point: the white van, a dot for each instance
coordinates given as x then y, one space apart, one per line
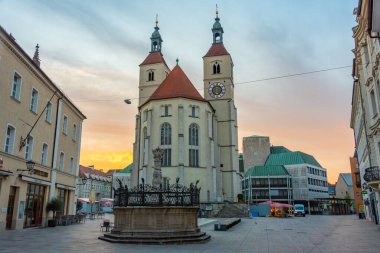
299 209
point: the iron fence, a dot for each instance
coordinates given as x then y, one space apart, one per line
147 195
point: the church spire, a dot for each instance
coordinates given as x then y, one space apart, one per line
217 29
156 39
36 57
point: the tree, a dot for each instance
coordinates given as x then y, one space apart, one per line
54 205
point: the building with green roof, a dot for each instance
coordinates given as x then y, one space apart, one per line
261 159
269 182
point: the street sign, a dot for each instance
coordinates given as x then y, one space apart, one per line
364 192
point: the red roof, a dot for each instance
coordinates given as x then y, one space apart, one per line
216 50
175 85
90 171
155 57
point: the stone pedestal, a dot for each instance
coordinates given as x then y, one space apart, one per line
156 225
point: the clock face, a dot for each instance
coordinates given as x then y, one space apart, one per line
216 90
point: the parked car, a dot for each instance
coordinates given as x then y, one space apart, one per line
299 209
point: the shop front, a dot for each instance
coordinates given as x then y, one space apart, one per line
34 205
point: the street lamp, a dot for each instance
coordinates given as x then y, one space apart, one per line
83 180
29 167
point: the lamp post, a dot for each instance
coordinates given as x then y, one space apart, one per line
29 167
128 102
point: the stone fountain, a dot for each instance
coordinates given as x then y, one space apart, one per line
149 214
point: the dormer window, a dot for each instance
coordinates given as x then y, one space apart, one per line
216 68
151 75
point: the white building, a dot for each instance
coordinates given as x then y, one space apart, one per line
365 117
198 133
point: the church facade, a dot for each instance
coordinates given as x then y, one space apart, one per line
197 133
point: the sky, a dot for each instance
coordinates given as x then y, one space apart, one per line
91 49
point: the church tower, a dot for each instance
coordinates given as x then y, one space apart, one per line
153 70
219 91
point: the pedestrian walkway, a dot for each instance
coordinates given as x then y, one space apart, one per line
311 234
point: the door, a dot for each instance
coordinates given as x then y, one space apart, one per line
11 204
34 205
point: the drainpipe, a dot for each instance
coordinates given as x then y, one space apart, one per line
77 167
55 149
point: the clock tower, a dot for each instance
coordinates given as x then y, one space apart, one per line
219 91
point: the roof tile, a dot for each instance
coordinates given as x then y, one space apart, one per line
154 57
217 50
176 85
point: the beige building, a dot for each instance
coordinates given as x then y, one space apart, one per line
343 187
365 112
198 133
38 122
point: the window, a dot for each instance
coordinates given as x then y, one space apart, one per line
29 148
61 161
194 111
145 115
64 126
373 101
16 86
166 111
74 133
34 100
71 165
48 112
145 151
193 146
216 68
44 154
166 141
151 75
165 183
10 139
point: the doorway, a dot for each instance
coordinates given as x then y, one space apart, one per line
35 196
11 205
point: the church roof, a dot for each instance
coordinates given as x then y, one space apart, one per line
154 57
175 85
217 50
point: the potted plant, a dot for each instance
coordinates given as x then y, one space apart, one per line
53 205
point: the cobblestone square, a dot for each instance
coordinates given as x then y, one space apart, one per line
310 234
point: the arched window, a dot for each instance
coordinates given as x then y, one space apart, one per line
217 37
216 68
29 148
151 75
166 144
193 145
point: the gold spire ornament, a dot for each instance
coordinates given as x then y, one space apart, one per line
156 20
217 12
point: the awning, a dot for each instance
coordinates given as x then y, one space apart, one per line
85 200
275 204
35 180
67 187
6 173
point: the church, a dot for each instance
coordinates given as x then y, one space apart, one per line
197 133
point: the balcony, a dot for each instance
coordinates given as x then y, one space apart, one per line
372 175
